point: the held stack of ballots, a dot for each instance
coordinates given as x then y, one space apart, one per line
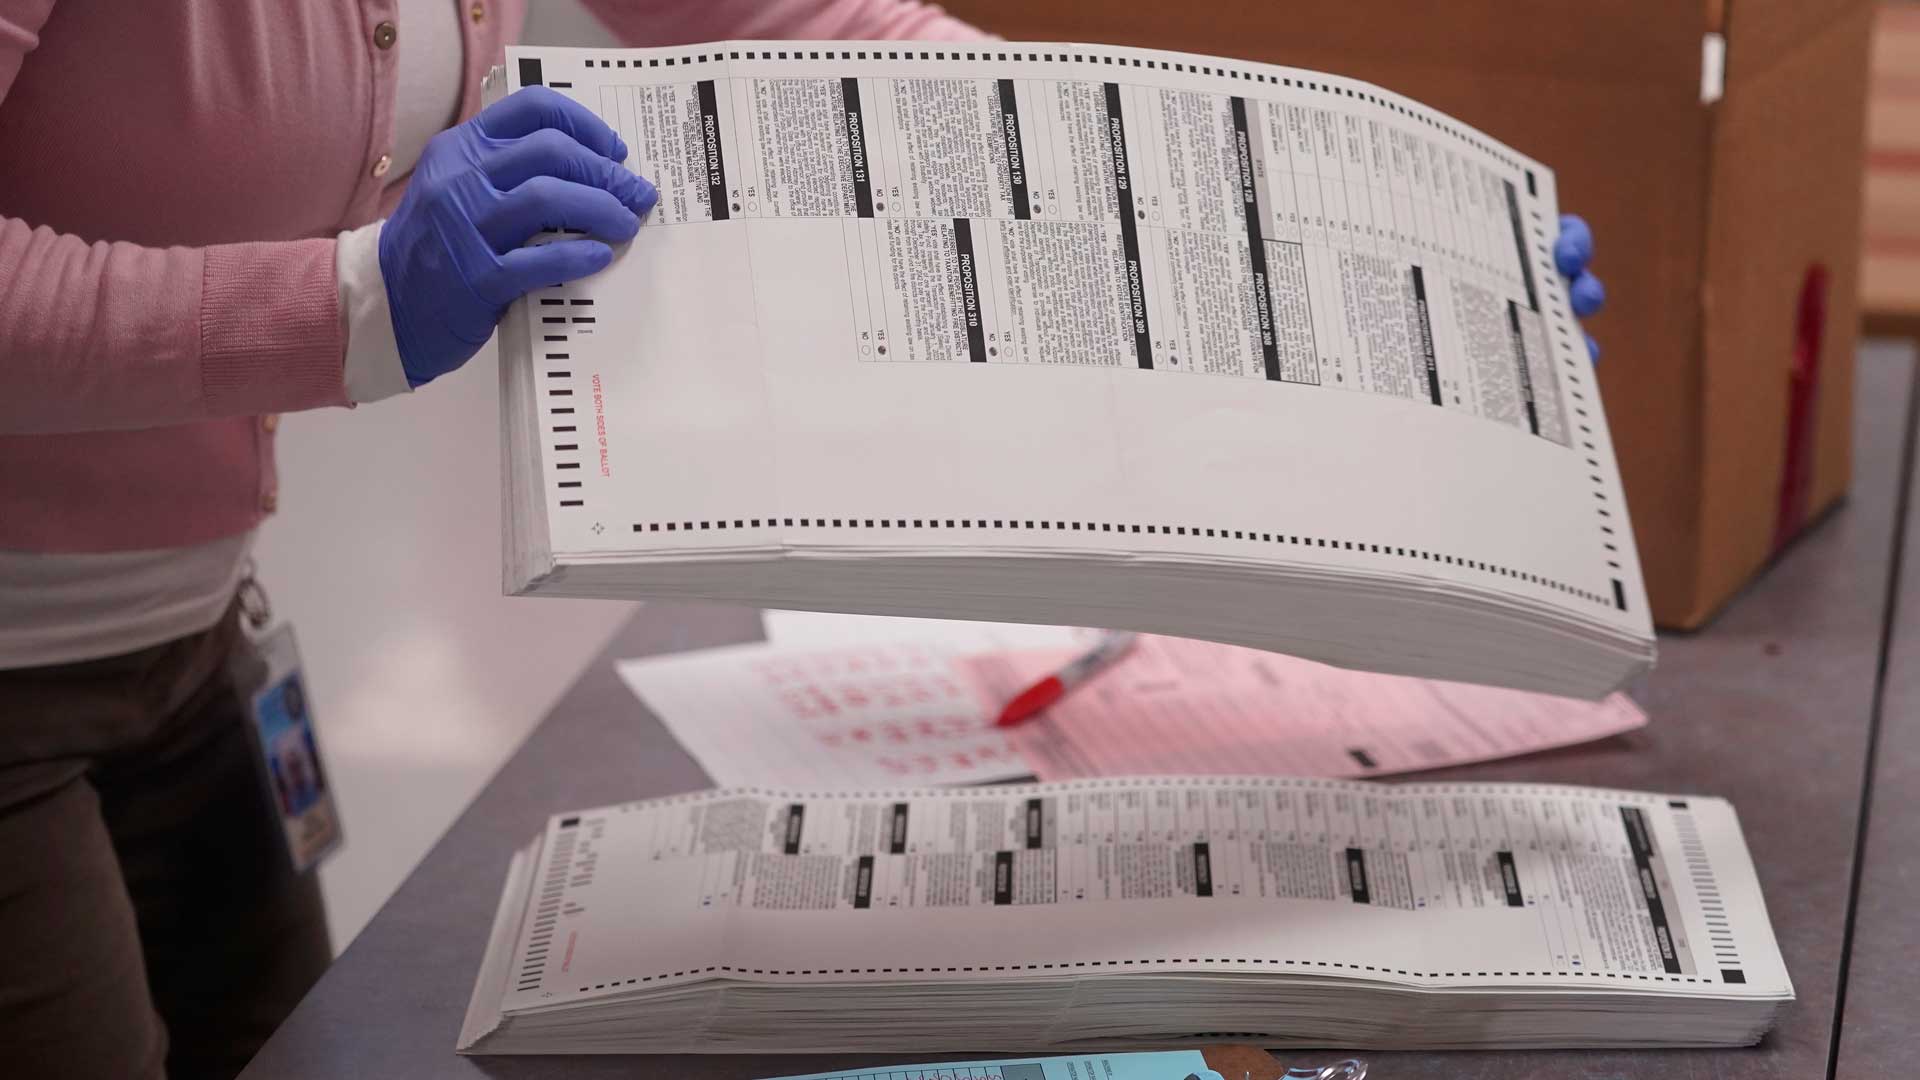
1079 335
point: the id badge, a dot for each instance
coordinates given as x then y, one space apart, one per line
287 752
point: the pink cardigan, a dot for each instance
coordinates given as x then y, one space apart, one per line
172 176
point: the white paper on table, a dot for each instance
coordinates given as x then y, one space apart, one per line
909 710
856 716
1199 708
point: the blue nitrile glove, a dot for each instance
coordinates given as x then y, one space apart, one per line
1572 251
451 253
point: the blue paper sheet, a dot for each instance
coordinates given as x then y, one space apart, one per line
1158 1065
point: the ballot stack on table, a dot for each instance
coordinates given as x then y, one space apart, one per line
1075 335
1131 912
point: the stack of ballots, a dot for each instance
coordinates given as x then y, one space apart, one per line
1079 335
1127 913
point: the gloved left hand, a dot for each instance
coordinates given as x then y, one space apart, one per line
451 253
1572 251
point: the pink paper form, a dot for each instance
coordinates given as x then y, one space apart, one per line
1175 706
919 712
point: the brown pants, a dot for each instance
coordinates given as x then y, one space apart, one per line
151 925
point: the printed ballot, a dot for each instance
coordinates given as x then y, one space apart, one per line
1074 334
918 710
1131 912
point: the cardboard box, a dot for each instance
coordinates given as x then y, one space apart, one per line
1709 219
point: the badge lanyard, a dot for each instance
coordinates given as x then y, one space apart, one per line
287 753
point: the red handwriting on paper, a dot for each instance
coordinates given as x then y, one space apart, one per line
903 708
808 702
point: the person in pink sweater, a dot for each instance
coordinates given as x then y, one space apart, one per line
213 212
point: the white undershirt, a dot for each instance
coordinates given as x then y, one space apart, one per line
63 608
426 100
426 97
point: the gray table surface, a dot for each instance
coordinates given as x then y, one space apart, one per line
1883 984
1772 707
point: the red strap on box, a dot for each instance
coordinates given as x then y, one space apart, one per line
1803 394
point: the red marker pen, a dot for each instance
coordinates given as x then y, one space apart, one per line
1040 696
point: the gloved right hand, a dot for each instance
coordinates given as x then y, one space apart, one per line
1572 251
451 254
